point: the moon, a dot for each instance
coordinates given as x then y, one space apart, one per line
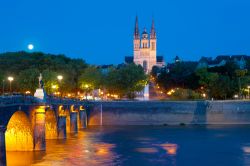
30 46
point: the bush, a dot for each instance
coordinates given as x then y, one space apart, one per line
185 94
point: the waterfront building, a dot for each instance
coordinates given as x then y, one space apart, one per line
145 49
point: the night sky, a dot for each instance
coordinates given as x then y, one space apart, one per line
101 31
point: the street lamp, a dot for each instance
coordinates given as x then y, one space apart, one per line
60 77
10 79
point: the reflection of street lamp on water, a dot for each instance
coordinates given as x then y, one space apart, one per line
10 79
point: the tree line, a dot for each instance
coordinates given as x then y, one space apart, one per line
78 76
224 82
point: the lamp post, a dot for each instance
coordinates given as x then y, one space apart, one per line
10 79
60 77
248 87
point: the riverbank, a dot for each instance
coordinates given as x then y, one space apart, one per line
169 112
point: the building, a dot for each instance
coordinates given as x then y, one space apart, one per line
145 49
221 60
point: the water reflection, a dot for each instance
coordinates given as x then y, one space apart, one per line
146 150
143 146
171 149
23 158
81 149
246 149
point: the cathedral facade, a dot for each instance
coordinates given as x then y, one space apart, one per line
145 49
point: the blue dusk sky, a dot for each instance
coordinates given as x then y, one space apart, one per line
101 31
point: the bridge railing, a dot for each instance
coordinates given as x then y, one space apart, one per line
17 99
56 100
24 99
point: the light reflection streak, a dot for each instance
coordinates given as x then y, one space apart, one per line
171 149
146 150
88 152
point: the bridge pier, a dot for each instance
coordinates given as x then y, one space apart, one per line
61 127
39 129
73 122
2 146
83 119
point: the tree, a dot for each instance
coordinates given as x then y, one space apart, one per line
181 74
184 94
51 83
21 63
240 73
155 71
90 79
207 80
126 80
28 80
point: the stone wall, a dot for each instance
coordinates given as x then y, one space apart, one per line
169 112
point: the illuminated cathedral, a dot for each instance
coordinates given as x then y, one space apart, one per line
145 49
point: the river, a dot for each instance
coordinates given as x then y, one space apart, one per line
144 145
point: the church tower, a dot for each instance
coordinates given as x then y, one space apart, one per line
153 45
136 41
145 48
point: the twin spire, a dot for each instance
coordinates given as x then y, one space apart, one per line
137 33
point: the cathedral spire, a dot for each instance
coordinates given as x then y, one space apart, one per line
136 33
153 32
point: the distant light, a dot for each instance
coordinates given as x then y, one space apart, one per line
59 77
27 92
53 86
10 79
30 46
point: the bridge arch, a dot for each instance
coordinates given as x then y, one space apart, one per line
19 133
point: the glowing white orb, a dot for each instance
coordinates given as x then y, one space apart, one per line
30 46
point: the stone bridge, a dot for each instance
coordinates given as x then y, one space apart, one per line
26 123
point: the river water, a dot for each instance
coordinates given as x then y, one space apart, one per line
145 145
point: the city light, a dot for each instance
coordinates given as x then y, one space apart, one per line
54 86
10 79
27 92
59 77
171 92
